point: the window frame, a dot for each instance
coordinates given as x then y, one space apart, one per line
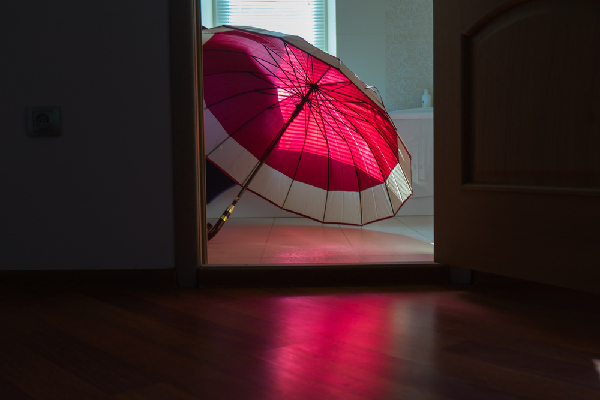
208 11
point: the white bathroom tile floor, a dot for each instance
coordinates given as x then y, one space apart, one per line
263 241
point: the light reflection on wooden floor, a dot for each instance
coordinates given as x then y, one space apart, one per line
249 241
479 342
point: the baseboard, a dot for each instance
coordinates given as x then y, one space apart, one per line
417 206
88 279
425 273
287 275
482 278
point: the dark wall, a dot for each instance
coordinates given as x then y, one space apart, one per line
100 195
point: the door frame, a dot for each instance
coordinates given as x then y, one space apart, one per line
190 194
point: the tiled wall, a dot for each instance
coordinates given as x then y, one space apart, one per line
409 52
360 39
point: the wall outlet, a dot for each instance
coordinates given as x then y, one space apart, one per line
43 121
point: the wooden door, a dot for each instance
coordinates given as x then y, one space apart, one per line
517 138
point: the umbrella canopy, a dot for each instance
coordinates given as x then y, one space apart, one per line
294 125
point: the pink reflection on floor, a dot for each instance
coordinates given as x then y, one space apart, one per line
349 345
324 348
249 241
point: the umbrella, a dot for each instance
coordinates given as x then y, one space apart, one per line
294 125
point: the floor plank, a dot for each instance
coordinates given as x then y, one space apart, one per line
280 241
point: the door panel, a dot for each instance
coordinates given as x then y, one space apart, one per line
517 138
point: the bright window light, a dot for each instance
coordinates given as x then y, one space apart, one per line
305 18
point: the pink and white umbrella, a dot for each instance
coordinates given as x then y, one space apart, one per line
294 125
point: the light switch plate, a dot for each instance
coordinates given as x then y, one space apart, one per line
43 121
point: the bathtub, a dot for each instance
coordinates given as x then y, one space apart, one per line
415 128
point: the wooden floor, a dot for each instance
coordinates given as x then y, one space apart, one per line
414 342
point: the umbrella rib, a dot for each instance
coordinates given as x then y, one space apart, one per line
360 117
215 229
310 60
261 91
230 135
306 124
351 99
355 129
294 67
264 62
349 123
320 111
293 177
372 150
298 63
355 102
298 164
277 65
350 117
353 113
298 90
263 159
262 77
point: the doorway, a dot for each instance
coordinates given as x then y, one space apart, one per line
264 234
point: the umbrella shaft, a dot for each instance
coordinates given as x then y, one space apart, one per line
212 232
292 117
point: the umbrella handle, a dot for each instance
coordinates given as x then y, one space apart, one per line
217 227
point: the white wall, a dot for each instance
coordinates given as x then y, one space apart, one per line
100 195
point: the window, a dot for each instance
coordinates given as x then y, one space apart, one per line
305 18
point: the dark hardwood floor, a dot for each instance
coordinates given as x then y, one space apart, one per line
509 341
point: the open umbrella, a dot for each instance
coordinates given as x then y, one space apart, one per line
294 125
